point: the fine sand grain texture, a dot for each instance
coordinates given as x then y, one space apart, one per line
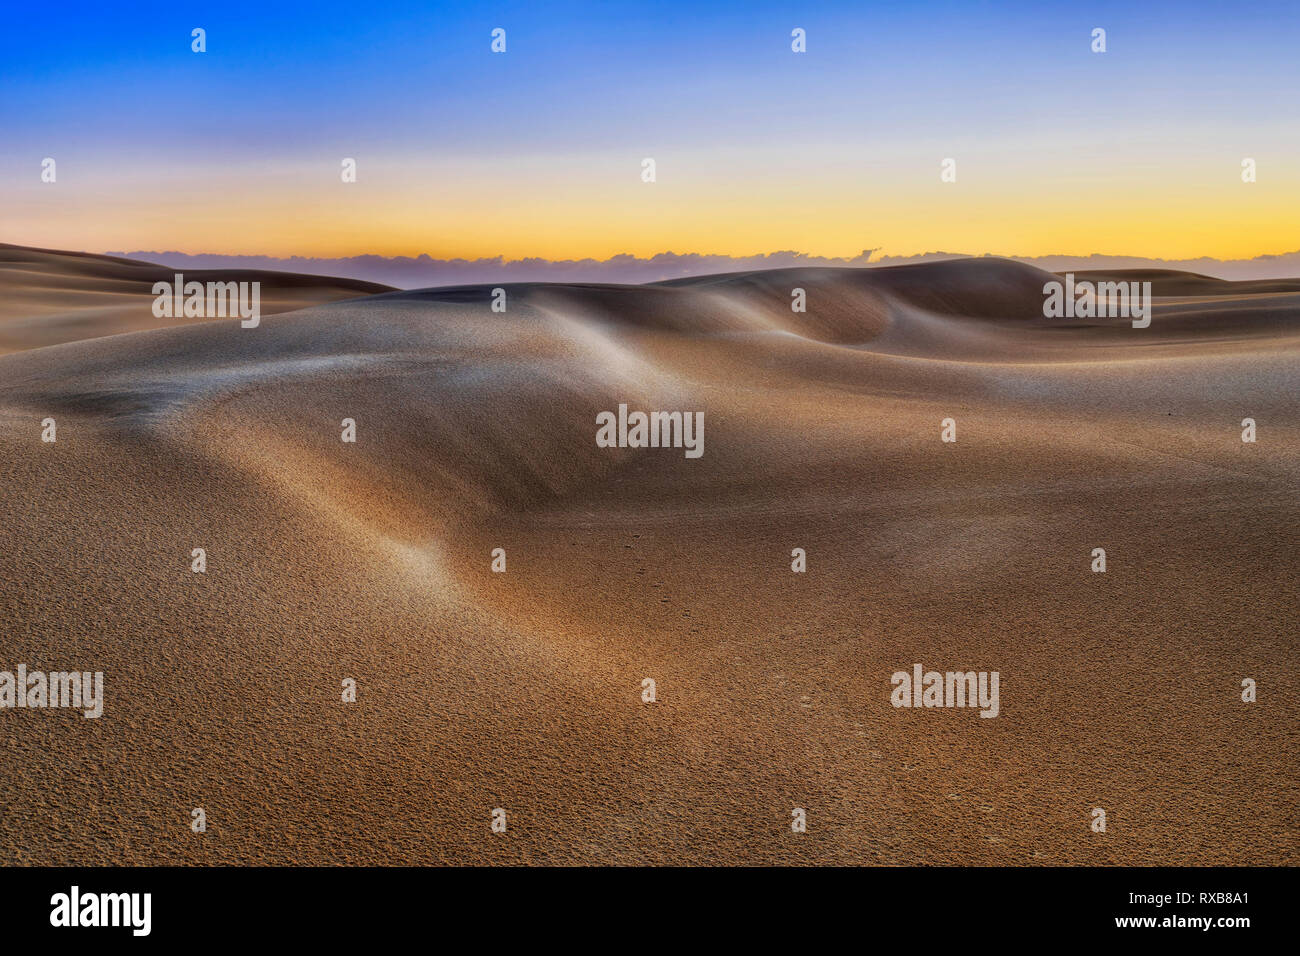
476 430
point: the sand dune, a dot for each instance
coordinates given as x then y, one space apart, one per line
48 297
1170 282
475 430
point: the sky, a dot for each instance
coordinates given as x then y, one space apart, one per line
537 151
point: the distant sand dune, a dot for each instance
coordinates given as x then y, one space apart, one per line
478 690
48 297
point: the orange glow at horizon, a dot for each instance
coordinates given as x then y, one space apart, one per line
598 207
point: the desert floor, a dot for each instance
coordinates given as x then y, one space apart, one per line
522 690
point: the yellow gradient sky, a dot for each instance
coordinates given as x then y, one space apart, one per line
537 152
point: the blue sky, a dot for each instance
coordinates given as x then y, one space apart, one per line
136 118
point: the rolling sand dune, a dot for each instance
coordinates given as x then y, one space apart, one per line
48 297
522 690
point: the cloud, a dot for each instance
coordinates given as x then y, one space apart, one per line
407 272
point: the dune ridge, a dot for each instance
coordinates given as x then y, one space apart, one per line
48 296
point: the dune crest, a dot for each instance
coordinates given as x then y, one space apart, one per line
49 297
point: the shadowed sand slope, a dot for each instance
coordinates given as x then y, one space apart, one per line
48 297
1170 282
476 430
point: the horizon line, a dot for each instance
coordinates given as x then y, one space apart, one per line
424 270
